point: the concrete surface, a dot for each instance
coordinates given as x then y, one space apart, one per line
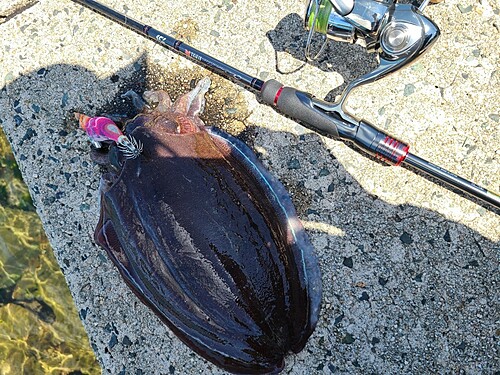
410 269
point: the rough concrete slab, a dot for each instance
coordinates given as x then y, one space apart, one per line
410 269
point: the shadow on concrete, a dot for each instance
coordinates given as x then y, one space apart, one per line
351 61
405 289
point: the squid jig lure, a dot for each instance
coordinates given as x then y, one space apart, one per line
103 129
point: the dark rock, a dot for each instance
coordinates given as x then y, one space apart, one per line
324 172
64 100
406 238
126 341
472 263
338 319
364 297
18 120
348 339
55 160
42 72
311 211
30 133
113 341
83 313
447 236
332 368
294 164
348 262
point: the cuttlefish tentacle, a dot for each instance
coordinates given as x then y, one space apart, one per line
186 108
137 101
193 103
161 98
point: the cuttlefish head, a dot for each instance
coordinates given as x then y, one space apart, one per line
182 116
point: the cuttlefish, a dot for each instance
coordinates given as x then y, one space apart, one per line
207 237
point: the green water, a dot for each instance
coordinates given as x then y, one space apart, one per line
40 332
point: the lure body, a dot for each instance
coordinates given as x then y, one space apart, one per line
102 129
209 240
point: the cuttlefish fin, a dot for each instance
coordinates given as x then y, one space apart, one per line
107 237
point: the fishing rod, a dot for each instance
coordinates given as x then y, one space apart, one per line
398 33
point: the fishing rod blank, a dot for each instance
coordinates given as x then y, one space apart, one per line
177 45
330 119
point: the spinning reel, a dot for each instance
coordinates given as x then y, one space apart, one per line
397 33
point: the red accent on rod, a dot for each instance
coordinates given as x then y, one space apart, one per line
402 157
278 95
393 151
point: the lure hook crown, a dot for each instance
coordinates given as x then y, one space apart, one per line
130 147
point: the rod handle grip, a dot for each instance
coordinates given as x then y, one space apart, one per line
298 105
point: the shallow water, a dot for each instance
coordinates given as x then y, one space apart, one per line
40 331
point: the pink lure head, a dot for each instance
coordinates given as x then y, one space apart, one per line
103 129
99 129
